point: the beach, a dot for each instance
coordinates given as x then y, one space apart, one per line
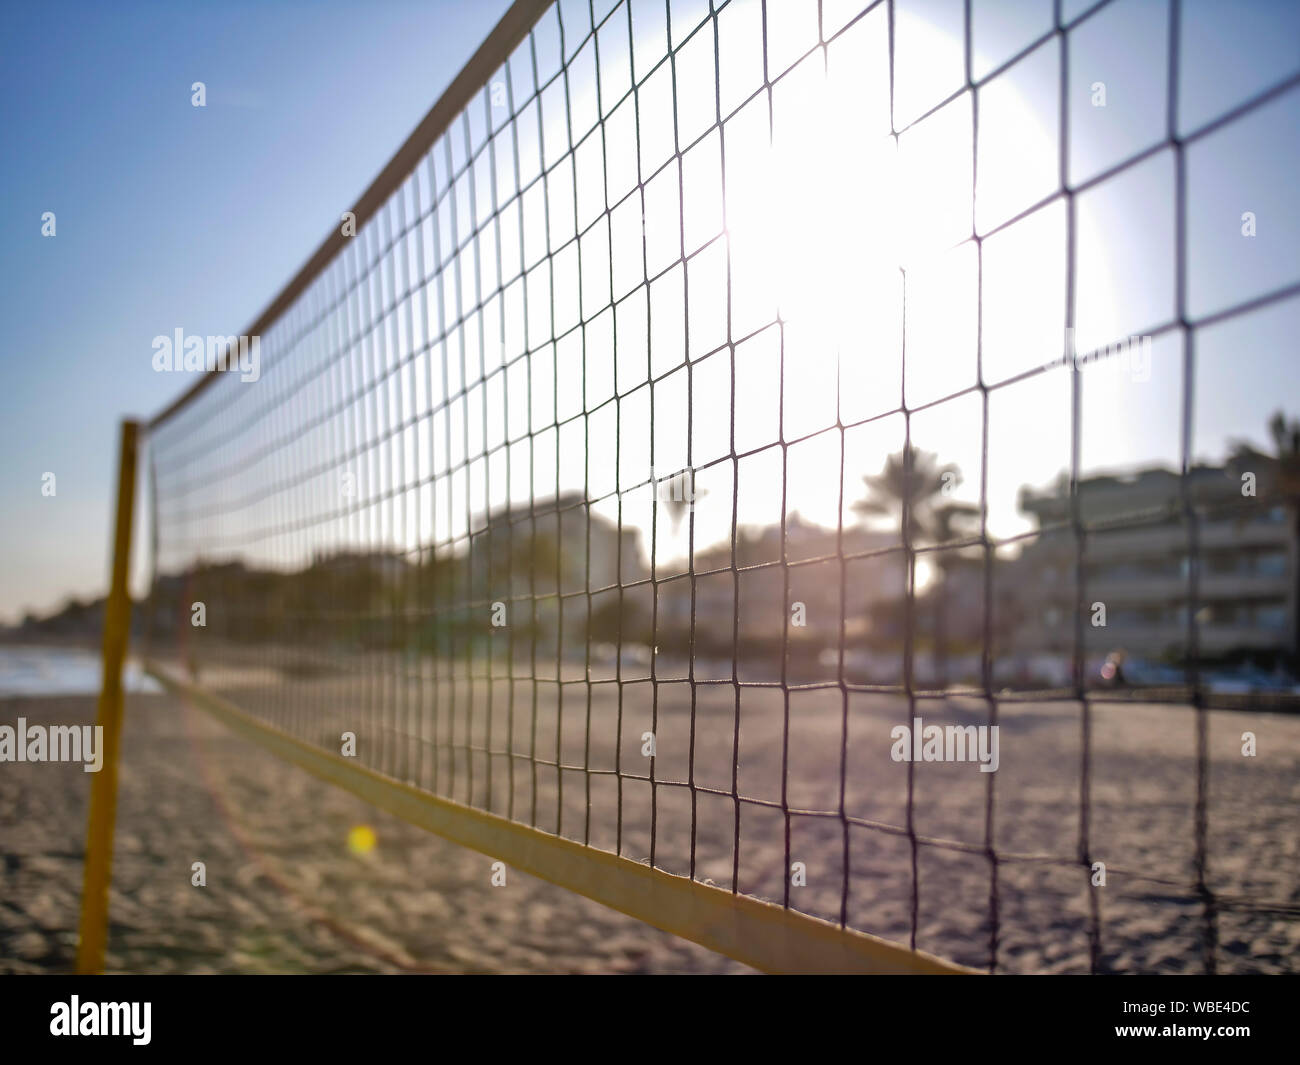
285 894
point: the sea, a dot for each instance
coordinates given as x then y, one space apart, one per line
35 670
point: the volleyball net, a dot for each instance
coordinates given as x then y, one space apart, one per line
717 467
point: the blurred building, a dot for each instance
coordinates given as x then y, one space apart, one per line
753 593
553 544
560 565
1136 555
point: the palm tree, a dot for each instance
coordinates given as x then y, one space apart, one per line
915 486
678 494
1283 468
953 521
912 482
950 521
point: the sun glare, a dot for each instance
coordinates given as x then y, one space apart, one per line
856 239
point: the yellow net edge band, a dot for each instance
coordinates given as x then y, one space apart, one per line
760 934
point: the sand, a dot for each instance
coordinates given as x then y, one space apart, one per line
284 893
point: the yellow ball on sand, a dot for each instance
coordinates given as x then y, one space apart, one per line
361 839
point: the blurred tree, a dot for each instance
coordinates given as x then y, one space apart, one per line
950 521
911 483
914 486
678 494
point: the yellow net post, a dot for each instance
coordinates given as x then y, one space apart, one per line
103 787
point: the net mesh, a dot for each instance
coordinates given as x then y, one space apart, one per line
696 415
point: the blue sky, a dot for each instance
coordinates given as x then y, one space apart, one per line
170 215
